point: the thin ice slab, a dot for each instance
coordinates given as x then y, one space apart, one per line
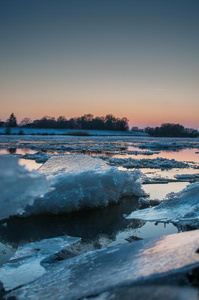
30 260
101 270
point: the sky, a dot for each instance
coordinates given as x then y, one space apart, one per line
131 58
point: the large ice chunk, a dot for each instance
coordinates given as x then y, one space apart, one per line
27 263
18 186
81 181
182 208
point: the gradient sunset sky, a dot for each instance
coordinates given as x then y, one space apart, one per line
132 58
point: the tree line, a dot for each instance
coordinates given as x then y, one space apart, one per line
87 121
172 130
108 122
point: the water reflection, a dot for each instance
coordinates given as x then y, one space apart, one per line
159 191
148 230
12 150
29 164
89 225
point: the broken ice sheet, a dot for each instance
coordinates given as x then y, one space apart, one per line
181 208
101 270
30 260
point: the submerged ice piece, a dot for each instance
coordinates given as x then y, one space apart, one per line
181 208
18 186
28 262
102 270
80 182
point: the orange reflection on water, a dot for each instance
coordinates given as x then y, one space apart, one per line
29 164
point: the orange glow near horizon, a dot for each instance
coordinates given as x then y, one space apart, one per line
140 116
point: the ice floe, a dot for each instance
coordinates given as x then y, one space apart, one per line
39 157
187 177
162 145
181 208
156 163
81 182
145 261
18 187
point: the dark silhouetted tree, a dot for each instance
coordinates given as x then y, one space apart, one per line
12 121
172 130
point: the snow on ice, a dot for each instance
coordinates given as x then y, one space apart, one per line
181 208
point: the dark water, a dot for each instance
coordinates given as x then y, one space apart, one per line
92 226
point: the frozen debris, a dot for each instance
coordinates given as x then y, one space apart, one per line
155 202
97 144
98 271
162 145
181 208
156 163
82 182
39 157
138 152
145 202
18 187
30 260
133 238
187 177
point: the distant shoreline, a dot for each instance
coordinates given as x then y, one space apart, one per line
68 132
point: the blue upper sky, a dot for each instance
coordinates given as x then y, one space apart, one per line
133 58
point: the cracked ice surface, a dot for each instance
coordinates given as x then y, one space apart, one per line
18 187
28 262
81 182
181 208
97 271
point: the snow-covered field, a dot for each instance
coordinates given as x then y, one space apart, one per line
63 198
